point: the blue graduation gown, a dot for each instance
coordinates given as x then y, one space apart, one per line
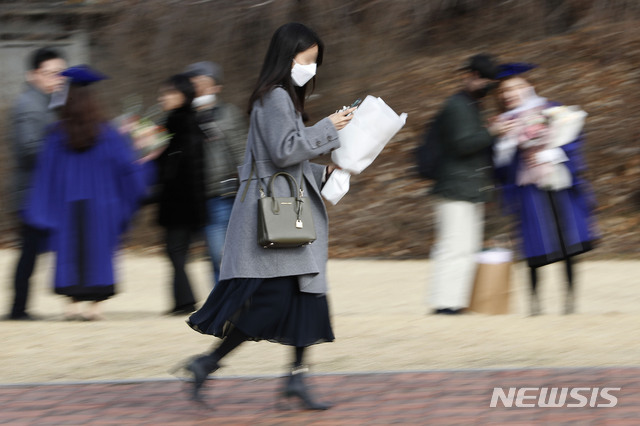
85 199
553 224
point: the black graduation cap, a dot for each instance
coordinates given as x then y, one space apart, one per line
83 75
513 68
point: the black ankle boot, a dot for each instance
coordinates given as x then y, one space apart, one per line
295 387
201 367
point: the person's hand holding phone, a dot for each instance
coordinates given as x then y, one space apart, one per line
355 105
342 117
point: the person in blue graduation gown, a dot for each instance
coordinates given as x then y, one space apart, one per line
86 187
555 219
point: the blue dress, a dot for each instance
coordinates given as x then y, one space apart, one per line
553 225
85 199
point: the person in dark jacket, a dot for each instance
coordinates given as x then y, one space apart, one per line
463 184
181 202
30 117
226 130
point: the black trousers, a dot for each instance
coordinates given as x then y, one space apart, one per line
32 239
178 241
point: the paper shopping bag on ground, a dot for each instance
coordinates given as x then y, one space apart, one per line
373 125
492 281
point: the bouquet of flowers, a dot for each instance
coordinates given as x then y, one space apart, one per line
534 130
149 138
361 141
539 136
565 124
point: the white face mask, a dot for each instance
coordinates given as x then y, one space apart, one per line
301 74
204 100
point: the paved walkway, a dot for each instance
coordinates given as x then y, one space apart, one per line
413 398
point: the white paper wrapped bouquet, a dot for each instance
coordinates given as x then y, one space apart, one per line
565 124
545 132
373 125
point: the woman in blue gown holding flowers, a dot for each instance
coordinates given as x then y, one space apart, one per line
542 171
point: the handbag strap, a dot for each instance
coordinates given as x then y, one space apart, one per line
246 187
260 188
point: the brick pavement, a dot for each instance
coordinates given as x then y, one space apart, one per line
423 397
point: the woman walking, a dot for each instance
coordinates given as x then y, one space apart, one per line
265 293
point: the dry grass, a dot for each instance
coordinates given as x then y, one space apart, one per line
405 52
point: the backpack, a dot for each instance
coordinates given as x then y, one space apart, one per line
429 152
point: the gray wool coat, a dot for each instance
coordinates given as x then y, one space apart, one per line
280 141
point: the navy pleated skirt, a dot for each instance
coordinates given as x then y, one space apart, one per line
271 309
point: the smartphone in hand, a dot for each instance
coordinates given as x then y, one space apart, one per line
355 104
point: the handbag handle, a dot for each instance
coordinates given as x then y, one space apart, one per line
293 185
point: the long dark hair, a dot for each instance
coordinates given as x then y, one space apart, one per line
288 40
81 118
182 83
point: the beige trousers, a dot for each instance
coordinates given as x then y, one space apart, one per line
459 236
